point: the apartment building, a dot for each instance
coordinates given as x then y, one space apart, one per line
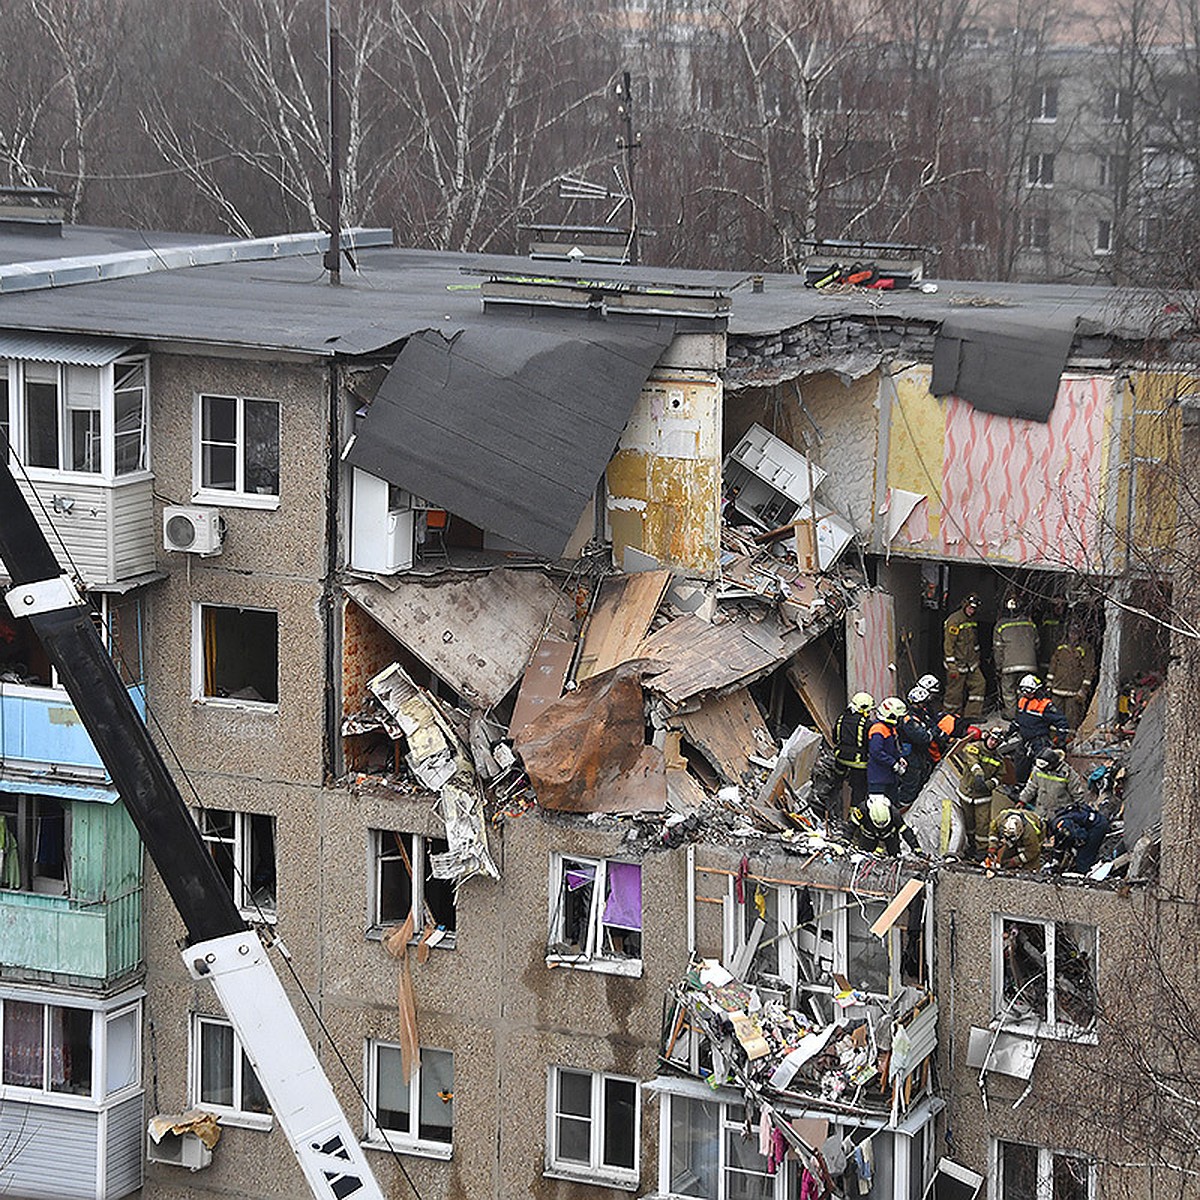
351 545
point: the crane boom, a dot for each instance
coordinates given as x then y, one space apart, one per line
221 947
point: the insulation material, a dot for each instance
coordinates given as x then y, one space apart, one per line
620 619
664 482
794 766
1007 1053
936 817
727 730
1000 488
587 752
871 645
900 507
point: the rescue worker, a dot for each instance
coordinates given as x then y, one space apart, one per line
983 772
1015 648
885 761
850 747
1051 785
1016 840
916 740
1072 672
878 827
960 649
1076 835
1038 722
1050 630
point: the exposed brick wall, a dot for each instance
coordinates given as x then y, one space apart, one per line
366 650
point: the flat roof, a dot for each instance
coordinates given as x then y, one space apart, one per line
287 304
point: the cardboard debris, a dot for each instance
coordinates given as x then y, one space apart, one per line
587 751
195 1121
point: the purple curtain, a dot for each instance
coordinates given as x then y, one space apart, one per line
624 907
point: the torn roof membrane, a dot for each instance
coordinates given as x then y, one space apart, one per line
510 423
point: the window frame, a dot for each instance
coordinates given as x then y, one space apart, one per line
102 390
1045 1168
419 860
1037 239
1117 105
591 957
237 496
27 806
102 1014
375 1136
235 1114
1040 111
199 696
1050 1028
1039 170
1104 235
242 852
596 1170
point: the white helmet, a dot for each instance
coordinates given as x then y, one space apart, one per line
930 683
1029 683
892 709
1014 826
879 809
862 702
917 695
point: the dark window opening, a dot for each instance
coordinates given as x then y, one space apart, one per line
241 654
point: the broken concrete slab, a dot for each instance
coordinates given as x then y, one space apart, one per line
476 632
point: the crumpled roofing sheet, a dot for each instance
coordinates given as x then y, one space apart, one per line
510 423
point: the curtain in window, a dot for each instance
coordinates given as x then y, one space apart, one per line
10 854
208 630
216 1064
23 1043
624 907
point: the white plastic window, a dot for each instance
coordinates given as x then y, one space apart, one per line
593 1126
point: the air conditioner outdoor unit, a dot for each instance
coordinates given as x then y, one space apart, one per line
193 530
179 1150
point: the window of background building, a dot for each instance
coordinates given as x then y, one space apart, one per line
1040 170
1104 231
237 655
221 1075
403 882
418 1114
1043 103
238 447
1037 233
592 1126
243 847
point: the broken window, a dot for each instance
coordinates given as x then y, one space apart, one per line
35 844
238 655
593 1126
596 913
404 882
243 847
221 1076
1046 975
712 1154
417 1113
811 936
1035 1173
238 446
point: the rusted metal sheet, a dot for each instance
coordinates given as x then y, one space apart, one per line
476 633
543 682
587 751
716 658
727 730
624 608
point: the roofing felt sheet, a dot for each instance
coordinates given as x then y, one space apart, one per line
1008 365
510 422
